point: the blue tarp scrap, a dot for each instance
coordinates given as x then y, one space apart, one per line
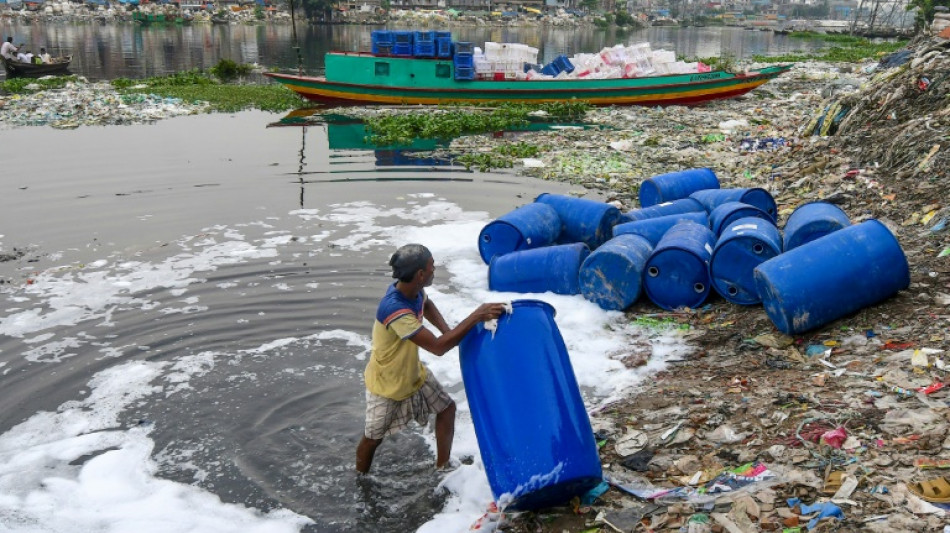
896 59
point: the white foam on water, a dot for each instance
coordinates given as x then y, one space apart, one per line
77 470
114 486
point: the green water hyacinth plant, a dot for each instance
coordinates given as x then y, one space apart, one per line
29 85
200 86
397 128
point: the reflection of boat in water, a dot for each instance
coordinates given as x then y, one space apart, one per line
353 78
350 133
346 134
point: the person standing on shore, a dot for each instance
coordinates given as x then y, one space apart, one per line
7 50
399 388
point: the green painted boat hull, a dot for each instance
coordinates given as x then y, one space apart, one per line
367 79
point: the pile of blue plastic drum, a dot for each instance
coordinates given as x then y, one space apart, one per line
689 238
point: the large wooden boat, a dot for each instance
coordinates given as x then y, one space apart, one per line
360 78
59 65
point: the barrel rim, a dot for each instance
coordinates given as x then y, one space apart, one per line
533 302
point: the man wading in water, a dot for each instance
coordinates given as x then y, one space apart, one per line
399 388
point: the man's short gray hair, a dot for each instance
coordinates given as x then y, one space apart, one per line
408 260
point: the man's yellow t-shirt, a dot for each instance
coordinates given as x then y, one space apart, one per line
394 370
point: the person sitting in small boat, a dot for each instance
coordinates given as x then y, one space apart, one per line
8 50
25 57
44 56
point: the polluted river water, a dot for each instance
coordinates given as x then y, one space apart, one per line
186 317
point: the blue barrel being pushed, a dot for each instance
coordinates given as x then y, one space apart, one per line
684 205
744 245
549 269
761 198
532 427
812 221
676 185
653 229
677 274
831 277
529 226
724 215
612 275
582 220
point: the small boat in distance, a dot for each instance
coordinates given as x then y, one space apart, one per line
59 65
361 78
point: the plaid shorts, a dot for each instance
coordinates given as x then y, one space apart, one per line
385 416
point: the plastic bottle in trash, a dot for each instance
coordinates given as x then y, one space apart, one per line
902 391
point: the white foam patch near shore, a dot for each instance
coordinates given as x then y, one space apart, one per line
75 470
116 489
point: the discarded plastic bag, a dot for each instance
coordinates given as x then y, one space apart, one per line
724 434
631 443
824 510
834 438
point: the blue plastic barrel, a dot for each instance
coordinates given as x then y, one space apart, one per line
583 220
832 276
612 275
529 226
811 221
653 229
549 269
683 205
743 245
677 274
727 213
532 427
676 185
761 198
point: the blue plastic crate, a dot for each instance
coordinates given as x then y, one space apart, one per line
443 47
464 60
424 50
563 64
443 35
382 37
424 37
402 37
402 50
384 49
464 48
464 73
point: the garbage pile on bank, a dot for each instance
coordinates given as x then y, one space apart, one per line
441 18
63 11
82 103
850 420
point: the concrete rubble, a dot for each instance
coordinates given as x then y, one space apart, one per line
751 430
